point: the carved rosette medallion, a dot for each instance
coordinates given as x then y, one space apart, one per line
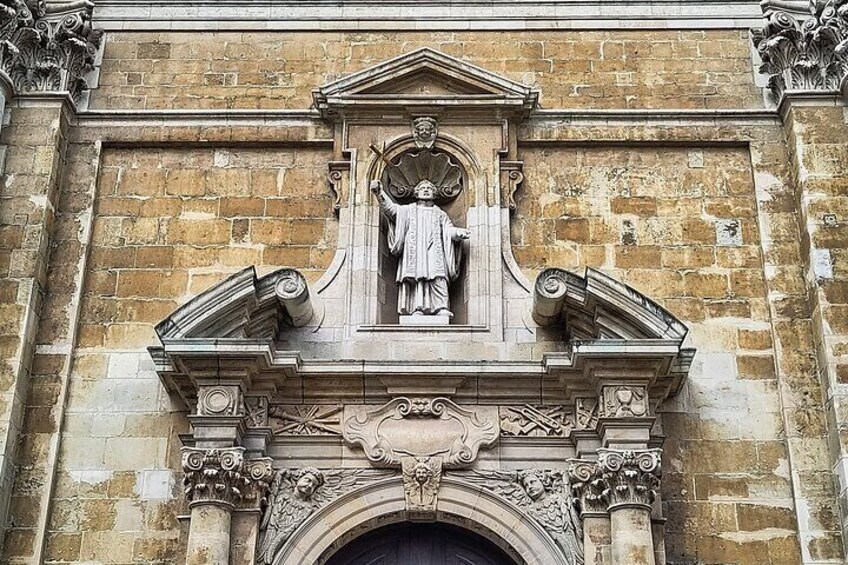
420 428
214 476
220 400
630 478
587 486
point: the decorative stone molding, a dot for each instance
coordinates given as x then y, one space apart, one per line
48 47
630 478
803 45
259 473
541 494
420 428
306 420
463 87
242 306
625 401
296 493
214 476
421 479
512 178
336 171
535 421
587 487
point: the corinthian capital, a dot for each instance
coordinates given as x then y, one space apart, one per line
587 486
214 476
802 44
259 474
630 478
48 47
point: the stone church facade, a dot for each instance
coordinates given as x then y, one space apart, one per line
462 282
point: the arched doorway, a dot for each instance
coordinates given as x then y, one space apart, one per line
421 544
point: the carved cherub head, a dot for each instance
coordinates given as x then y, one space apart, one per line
425 190
422 473
309 480
424 131
532 483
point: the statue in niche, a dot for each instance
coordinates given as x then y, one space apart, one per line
428 247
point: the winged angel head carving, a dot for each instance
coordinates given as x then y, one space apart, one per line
544 495
296 493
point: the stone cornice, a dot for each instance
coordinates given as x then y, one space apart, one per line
48 47
368 15
803 45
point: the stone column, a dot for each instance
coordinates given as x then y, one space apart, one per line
246 520
630 480
587 488
214 483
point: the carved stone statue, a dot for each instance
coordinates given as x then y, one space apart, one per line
429 248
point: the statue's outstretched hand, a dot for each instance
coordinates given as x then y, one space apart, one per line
376 186
463 234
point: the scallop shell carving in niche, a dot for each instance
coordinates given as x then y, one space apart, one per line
412 168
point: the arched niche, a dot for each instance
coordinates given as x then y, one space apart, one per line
473 194
382 503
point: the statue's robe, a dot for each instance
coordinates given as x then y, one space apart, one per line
429 252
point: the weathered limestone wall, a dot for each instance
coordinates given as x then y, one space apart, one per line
709 229
817 140
36 138
633 69
683 225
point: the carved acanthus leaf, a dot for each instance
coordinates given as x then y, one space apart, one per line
804 51
48 47
587 486
296 494
214 476
630 477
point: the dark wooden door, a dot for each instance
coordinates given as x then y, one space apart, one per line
420 544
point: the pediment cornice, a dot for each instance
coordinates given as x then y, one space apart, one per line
442 81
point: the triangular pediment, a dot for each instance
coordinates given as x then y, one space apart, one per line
424 78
